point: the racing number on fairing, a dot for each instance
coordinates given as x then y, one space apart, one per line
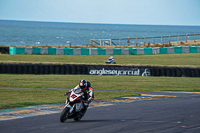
73 96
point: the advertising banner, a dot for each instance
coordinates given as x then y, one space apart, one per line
119 71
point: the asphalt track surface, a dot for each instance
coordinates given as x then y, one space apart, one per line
168 115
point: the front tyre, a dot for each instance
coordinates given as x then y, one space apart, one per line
63 116
78 118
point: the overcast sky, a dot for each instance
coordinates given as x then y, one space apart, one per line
153 12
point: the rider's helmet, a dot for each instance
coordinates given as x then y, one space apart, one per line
83 84
111 58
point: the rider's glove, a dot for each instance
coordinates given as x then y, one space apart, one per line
86 103
67 93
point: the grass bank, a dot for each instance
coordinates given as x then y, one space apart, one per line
24 97
189 59
12 98
131 83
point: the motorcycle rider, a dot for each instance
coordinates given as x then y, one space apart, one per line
85 87
110 60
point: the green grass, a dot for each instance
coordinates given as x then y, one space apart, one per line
131 83
12 98
190 59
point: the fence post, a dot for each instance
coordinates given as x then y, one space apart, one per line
110 42
161 39
153 40
128 42
178 39
100 42
194 37
136 41
186 38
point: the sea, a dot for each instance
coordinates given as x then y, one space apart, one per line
25 33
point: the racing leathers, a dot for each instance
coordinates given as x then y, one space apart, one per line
88 96
88 92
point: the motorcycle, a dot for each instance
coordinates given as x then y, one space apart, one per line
74 107
110 62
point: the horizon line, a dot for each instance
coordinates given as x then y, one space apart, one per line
95 23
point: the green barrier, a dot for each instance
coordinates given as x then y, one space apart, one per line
178 49
68 51
117 51
163 50
12 50
85 51
147 50
193 49
132 51
52 51
36 50
101 51
20 50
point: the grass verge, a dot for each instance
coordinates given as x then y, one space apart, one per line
131 83
13 98
189 59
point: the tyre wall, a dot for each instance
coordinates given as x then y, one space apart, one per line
98 70
4 50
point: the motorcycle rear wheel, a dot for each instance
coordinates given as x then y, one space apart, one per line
63 116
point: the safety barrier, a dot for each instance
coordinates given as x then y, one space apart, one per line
98 70
104 51
4 50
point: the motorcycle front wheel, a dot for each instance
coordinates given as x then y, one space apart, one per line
63 116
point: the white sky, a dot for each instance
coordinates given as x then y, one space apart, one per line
154 12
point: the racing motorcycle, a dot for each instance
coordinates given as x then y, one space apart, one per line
73 107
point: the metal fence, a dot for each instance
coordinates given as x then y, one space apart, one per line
144 40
